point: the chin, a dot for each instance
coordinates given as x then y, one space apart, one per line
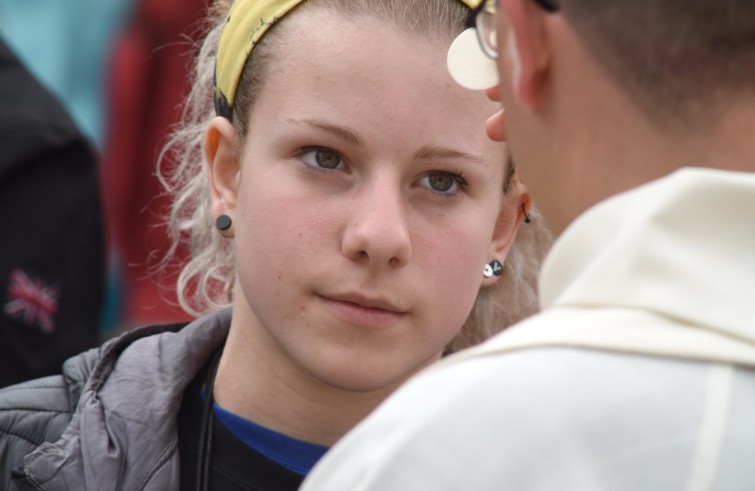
363 376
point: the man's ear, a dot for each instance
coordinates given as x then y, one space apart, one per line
222 150
526 47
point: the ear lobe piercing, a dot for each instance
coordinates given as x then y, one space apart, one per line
223 222
493 268
527 218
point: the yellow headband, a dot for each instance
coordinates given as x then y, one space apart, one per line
247 22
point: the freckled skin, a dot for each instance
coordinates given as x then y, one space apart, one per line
373 227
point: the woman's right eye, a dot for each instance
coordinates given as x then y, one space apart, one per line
322 158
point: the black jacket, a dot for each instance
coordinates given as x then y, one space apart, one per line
52 256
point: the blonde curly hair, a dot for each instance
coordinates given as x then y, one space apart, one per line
206 280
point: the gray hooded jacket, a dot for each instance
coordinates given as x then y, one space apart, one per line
109 421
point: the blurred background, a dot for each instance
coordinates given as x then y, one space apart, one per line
118 68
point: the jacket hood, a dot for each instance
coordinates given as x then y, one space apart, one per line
682 247
666 269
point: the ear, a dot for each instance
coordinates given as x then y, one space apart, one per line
510 218
526 47
222 150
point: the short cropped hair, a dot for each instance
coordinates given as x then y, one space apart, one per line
676 59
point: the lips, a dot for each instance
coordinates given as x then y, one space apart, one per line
368 303
361 310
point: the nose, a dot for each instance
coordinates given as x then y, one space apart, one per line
378 233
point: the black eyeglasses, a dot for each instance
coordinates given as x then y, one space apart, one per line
482 19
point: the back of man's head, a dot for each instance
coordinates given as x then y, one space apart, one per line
677 59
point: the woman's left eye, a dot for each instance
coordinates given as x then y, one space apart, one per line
322 158
444 182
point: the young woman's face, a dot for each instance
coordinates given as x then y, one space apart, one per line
366 205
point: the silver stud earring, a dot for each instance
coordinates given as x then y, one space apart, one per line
493 268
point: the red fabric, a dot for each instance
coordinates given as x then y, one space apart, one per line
148 82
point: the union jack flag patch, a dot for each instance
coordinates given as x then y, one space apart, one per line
32 302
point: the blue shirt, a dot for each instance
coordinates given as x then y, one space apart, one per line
296 455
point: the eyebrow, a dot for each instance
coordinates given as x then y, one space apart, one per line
434 153
339 131
428 152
